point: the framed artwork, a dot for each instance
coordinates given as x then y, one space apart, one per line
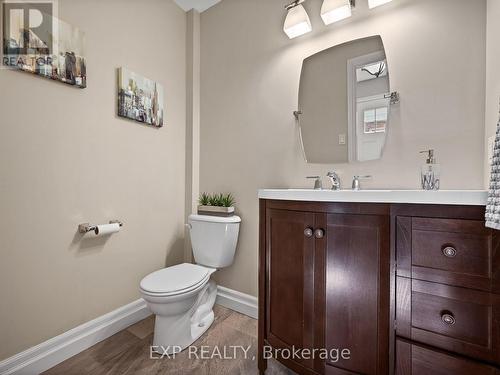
140 98
37 42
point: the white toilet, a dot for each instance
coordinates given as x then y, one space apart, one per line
182 296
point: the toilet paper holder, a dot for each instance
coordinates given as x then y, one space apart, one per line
86 227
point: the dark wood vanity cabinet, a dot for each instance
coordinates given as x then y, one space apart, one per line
408 289
325 285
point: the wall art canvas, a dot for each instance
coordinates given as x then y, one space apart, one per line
140 98
37 42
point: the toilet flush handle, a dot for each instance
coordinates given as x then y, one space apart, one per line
188 226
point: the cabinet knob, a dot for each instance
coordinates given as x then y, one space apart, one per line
308 232
319 233
450 252
448 318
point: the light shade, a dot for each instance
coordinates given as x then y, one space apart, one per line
297 22
335 10
376 3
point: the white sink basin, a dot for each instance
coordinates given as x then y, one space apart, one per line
452 197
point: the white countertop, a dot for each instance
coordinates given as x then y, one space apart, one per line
451 197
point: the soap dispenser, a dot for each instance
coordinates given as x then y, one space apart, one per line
430 174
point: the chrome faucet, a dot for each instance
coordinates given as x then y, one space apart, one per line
318 185
356 186
335 180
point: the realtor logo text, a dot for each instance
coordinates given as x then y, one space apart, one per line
202 352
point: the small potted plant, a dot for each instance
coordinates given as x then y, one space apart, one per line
216 204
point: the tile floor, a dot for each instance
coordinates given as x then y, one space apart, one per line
128 352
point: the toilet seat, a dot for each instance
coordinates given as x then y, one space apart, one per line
175 280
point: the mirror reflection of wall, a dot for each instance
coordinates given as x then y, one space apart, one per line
344 103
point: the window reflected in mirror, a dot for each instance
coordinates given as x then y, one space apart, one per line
375 120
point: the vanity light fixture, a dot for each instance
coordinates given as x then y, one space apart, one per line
297 21
376 3
336 10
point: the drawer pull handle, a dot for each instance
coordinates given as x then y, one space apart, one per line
448 318
308 232
319 233
450 252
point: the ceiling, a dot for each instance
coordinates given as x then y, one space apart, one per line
199 5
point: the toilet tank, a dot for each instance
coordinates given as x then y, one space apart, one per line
214 239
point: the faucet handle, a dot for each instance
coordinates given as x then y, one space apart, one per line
318 185
362 177
355 181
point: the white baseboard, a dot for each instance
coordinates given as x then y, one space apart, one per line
51 352
48 354
237 301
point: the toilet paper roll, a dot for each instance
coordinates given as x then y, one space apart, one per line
102 230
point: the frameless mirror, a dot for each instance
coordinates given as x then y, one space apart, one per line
344 103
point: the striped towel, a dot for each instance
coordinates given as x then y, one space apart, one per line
493 206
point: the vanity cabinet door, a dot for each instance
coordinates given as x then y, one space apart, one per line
357 293
290 244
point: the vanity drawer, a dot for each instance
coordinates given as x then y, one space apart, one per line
460 320
412 359
448 251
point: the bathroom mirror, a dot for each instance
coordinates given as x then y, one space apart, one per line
344 103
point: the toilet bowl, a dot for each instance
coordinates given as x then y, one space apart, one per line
182 296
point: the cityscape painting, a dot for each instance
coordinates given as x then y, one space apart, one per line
53 50
139 98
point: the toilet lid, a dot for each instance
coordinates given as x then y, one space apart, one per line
174 279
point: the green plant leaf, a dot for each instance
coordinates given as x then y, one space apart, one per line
227 200
204 199
218 200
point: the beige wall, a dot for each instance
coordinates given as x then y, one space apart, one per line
249 87
492 76
65 158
